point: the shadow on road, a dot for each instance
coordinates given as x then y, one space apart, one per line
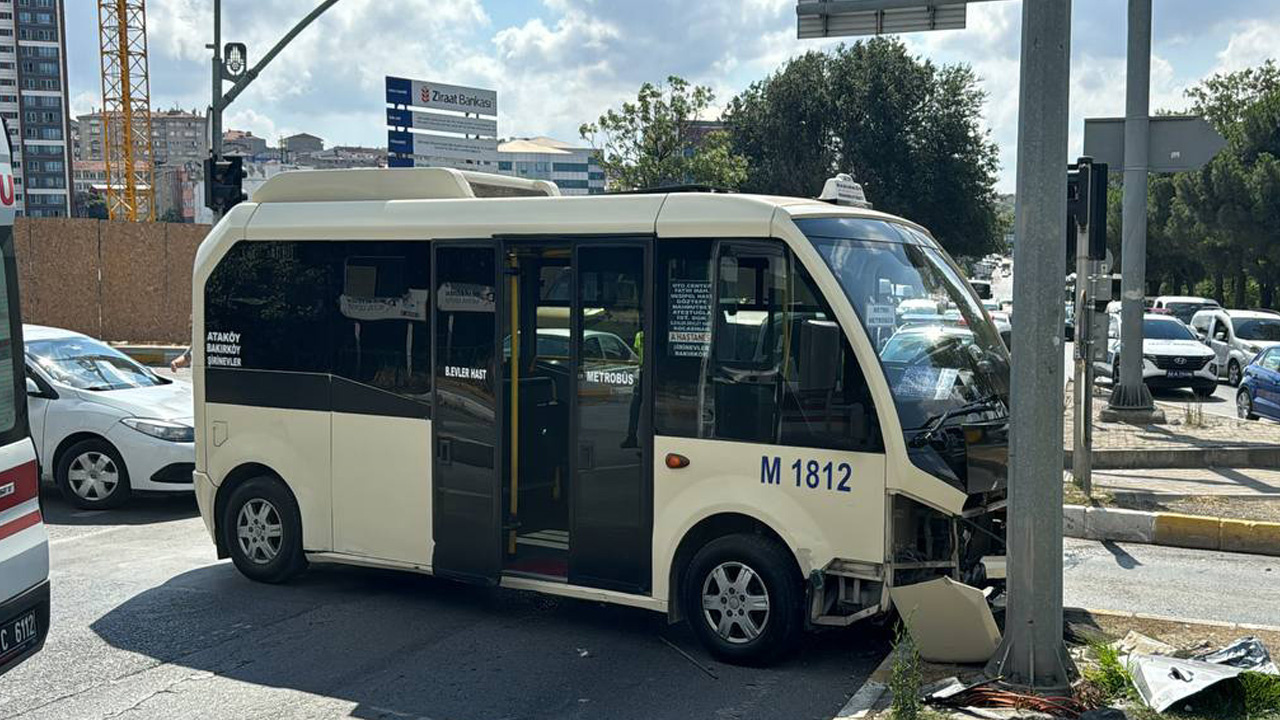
1122 556
398 644
140 510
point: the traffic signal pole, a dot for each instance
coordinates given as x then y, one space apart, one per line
1131 400
219 100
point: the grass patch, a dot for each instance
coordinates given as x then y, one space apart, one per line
1109 677
906 677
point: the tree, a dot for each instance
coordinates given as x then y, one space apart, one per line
784 125
656 140
908 130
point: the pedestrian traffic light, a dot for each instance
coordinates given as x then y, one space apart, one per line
223 181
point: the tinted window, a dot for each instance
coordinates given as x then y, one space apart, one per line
1165 330
1267 329
382 333
358 310
761 359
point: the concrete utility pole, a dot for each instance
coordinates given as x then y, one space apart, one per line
1032 652
1131 400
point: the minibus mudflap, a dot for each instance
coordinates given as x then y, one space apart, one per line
949 621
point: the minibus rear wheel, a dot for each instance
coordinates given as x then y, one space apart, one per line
744 599
262 529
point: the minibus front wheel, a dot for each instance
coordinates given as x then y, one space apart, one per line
262 529
744 600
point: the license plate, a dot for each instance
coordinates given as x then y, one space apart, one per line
18 634
1180 373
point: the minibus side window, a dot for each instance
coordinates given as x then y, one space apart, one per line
826 400
760 359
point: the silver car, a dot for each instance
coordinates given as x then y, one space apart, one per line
1236 337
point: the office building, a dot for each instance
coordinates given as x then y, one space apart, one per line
576 170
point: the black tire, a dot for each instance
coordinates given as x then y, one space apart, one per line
774 575
1233 374
1244 405
99 460
267 558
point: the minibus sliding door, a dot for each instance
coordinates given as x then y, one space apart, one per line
611 516
466 477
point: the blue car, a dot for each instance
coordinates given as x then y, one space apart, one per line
1259 394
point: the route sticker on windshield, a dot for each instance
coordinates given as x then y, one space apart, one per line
222 349
881 316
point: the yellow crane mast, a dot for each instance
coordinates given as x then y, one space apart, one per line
126 110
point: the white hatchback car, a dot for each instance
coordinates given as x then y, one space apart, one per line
104 425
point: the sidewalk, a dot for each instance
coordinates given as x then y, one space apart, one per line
1190 439
1218 482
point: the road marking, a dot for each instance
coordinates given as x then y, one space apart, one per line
95 533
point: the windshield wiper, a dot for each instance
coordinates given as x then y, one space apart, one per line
931 426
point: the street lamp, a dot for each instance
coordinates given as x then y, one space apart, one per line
1032 652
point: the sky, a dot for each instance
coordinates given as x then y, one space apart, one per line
556 64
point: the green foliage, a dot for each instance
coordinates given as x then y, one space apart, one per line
654 141
1216 231
1110 676
905 677
1261 694
908 130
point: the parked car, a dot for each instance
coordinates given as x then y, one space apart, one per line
1172 356
1259 394
105 426
1236 337
1183 307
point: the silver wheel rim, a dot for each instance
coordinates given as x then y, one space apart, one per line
1233 374
735 602
93 475
259 531
1242 405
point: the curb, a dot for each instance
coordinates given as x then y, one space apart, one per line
1171 619
1171 529
1183 458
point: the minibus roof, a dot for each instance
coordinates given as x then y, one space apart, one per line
520 205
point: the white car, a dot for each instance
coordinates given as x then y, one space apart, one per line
1236 337
1172 356
1182 307
104 425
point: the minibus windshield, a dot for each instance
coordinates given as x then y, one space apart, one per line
943 357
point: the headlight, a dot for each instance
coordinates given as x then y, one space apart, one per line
163 429
1150 358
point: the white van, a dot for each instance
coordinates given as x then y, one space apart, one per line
1236 337
379 381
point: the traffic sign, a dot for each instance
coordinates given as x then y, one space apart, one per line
439 146
439 96
439 122
1177 142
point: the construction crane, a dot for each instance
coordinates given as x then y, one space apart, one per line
126 110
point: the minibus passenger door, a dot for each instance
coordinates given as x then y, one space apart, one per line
467 497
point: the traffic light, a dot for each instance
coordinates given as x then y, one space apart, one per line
223 180
1087 206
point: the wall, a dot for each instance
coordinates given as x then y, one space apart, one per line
118 281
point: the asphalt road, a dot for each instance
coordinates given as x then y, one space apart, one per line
1132 577
147 624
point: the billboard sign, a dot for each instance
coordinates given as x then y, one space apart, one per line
439 122
439 96
439 146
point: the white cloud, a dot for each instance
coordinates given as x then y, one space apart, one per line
1249 47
